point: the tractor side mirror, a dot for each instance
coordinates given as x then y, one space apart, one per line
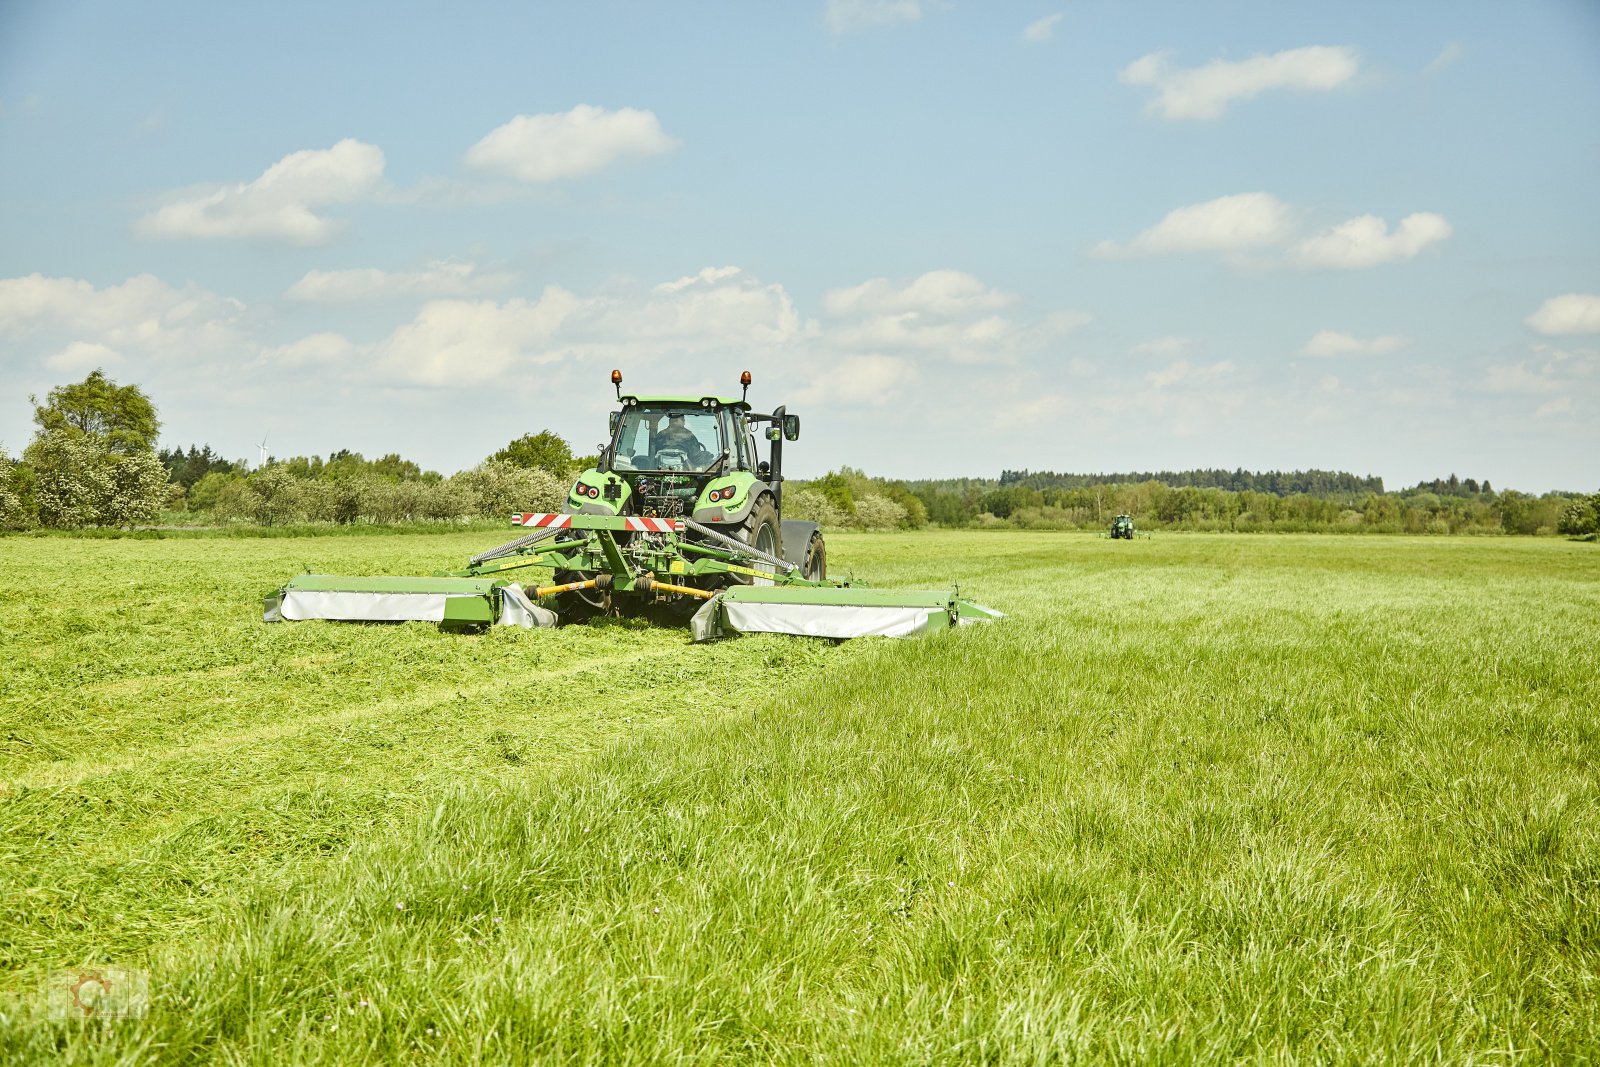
615 415
773 433
791 427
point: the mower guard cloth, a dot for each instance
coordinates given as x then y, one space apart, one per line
442 600
833 612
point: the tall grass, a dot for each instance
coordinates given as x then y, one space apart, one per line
1197 799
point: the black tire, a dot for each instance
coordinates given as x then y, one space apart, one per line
814 567
761 530
583 604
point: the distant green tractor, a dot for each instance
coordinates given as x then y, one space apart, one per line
1122 528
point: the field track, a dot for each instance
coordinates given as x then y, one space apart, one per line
1200 797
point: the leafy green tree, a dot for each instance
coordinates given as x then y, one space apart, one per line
1581 517
187 468
538 451
205 493
120 417
838 491
93 461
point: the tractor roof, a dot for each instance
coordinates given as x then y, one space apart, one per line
693 401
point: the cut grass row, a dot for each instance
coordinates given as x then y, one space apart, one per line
1199 798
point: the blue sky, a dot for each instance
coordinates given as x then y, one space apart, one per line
955 237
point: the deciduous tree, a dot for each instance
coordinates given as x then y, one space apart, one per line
120 417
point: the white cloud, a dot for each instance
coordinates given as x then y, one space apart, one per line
1165 347
83 356
1226 224
280 205
1516 378
1447 55
845 16
141 316
568 144
1568 314
317 350
1182 370
468 343
442 278
938 292
946 313
1327 343
719 310
1564 381
1042 30
870 380
1235 225
1205 92
1367 242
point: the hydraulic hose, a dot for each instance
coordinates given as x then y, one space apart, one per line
740 546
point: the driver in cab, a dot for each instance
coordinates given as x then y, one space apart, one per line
678 437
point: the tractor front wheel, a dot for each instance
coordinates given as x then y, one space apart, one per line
814 565
762 532
583 604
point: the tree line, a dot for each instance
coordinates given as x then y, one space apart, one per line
1157 505
94 462
1278 483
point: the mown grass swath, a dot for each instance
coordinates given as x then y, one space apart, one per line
1197 798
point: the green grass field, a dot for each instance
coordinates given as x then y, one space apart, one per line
1209 798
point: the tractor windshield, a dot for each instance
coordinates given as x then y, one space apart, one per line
668 438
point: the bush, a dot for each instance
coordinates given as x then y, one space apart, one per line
496 489
874 512
13 510
137 489
70 479
205 493
277 497
1581 517
80 481
812 506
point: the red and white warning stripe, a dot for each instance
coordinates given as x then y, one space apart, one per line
654 525
555 522
635 523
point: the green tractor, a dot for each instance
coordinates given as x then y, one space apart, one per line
1122 528
680 521
696 459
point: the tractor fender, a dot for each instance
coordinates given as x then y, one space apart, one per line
715 516
796 537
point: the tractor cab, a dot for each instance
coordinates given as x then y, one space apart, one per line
674 435
688 456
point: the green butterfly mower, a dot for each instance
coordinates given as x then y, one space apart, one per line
680 521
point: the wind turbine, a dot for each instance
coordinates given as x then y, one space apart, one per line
263 447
